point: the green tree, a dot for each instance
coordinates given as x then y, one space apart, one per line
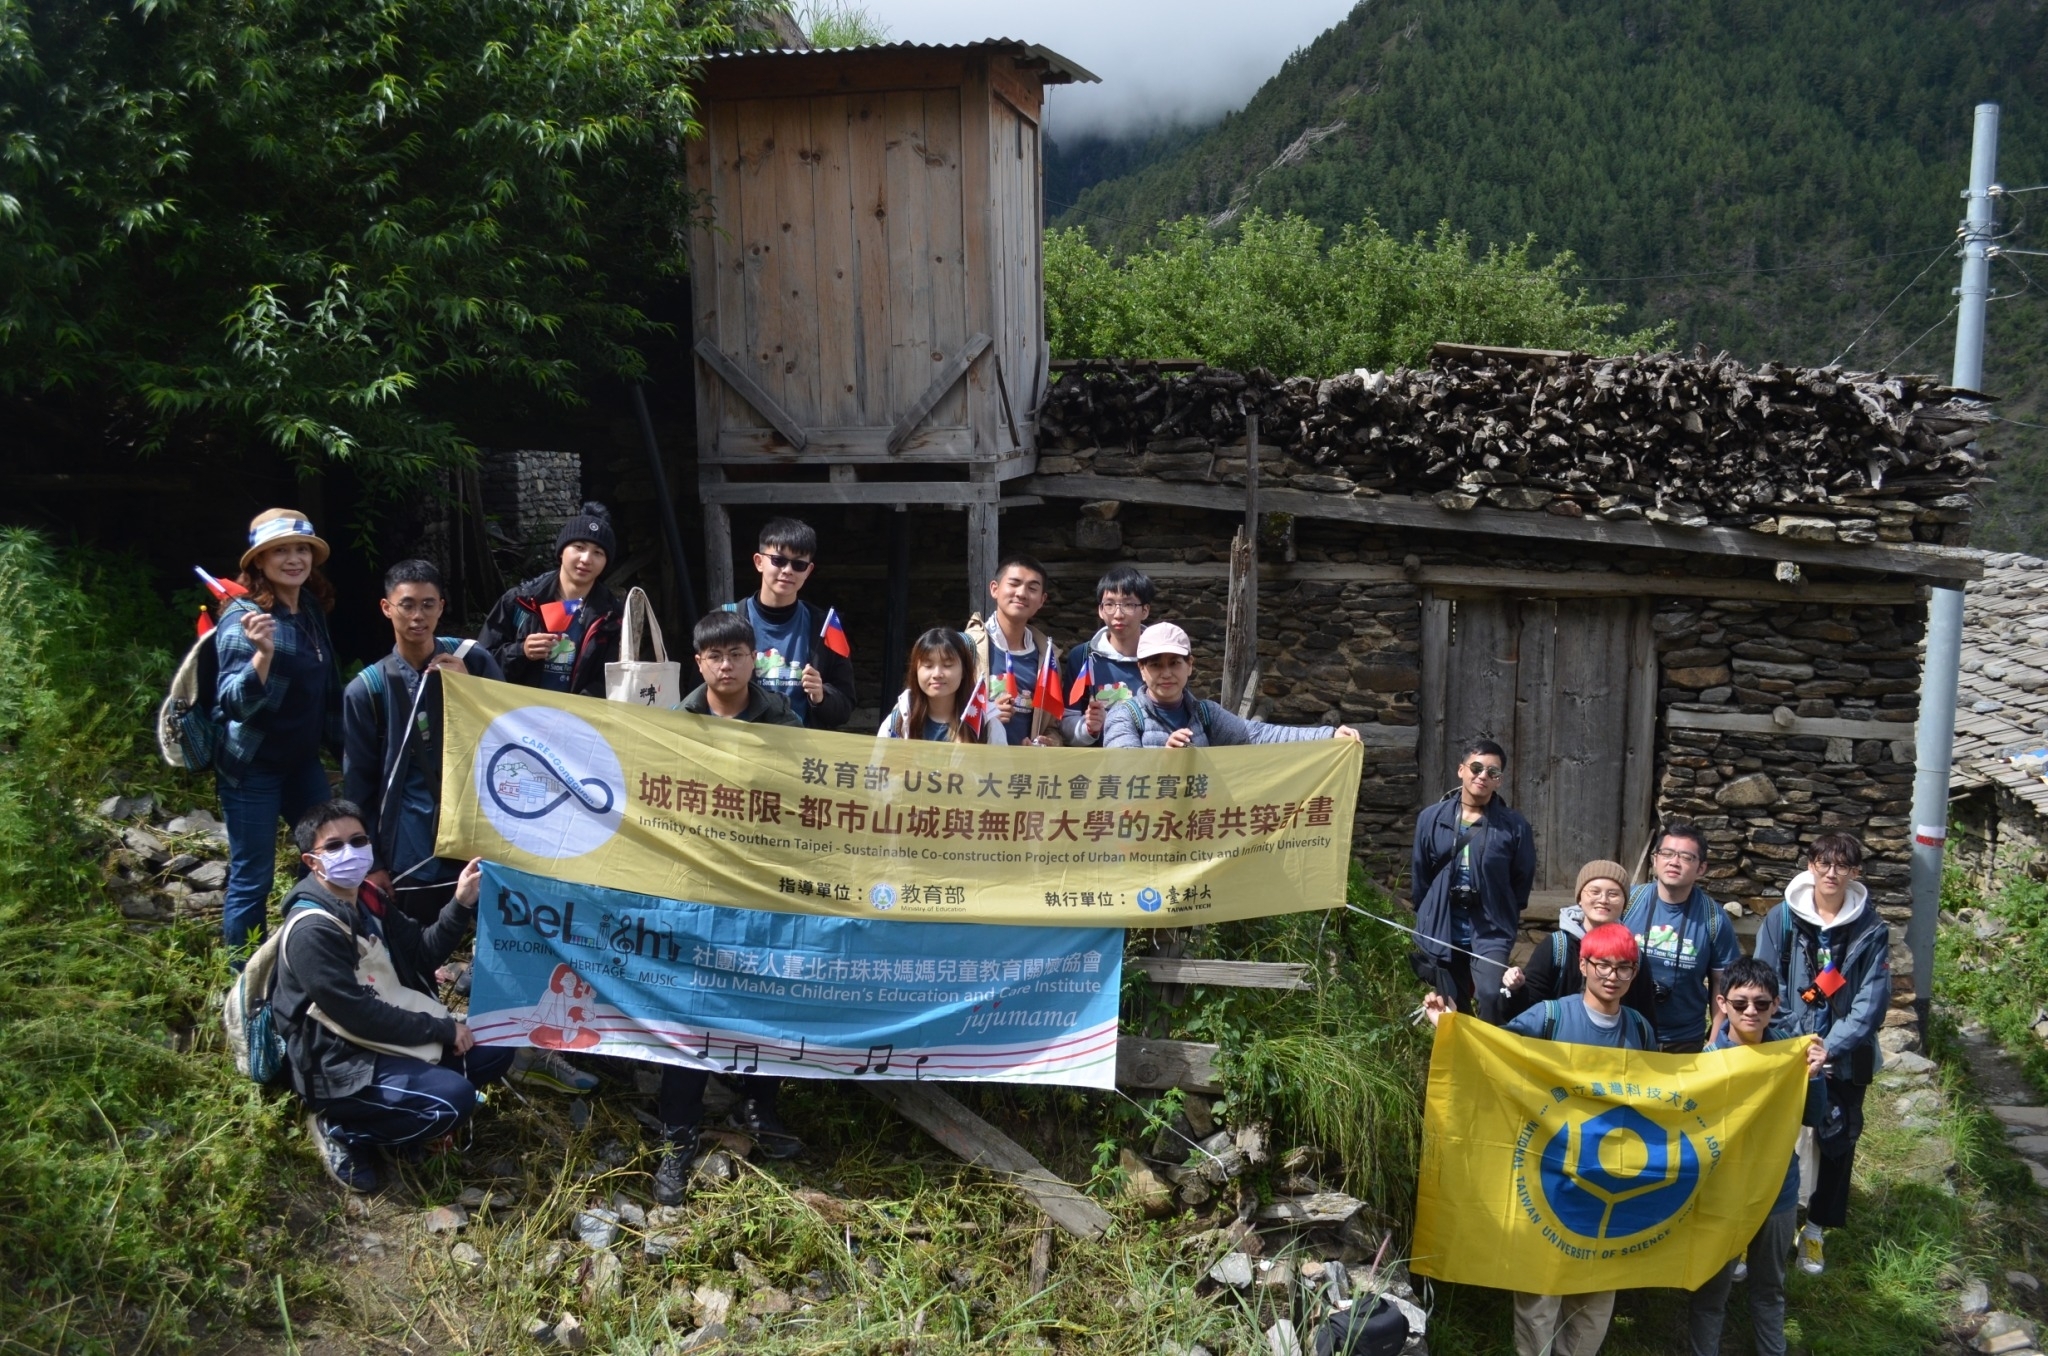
1271 294
306 221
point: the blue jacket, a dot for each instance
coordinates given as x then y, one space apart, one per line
1503 868
246 705
374 709
1861 946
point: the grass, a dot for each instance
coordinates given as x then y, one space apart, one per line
2003 982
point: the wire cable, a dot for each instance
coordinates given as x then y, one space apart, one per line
1888 307
1923 334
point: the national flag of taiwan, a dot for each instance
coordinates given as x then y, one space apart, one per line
1045 693
222 589
834 635
1009 676
558 616
1084 682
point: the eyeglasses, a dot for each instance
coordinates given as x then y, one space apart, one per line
414 607
1832 868
1612 969
1749 1005
1484 771
733 657
361 840
787 563
1108 606
1684 858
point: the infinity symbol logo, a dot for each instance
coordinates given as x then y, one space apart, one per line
541 761
525 773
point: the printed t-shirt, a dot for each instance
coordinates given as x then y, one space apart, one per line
560 665
782 647
1682 949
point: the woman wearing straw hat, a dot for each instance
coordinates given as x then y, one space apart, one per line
279 697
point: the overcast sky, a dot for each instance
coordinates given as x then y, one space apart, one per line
1160 60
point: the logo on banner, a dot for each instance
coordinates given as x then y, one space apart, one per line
883 897
1149 900
549 782
1619 1175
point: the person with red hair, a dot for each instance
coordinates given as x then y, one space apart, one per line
1576 1325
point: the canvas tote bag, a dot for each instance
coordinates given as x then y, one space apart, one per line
655 682
374 969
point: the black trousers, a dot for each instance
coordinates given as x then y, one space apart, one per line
1478 982
680 1103
1829 1207
411 1102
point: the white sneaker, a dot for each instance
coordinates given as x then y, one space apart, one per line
1741 1272
538 1068
1812 1261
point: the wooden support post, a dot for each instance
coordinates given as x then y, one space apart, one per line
983 551
896 623
718 585
942 1117
1240 635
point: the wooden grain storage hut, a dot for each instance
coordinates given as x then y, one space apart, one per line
868 306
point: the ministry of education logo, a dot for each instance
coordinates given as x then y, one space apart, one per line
549 782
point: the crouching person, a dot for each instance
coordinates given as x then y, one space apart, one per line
1576 1325
382 1065
1748 1002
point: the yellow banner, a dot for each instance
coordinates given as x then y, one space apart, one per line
1558 1169
798 821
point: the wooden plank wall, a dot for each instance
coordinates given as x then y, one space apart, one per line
1014 256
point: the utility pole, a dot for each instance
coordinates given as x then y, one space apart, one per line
1935 739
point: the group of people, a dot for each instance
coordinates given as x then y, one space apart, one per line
1659 968
405 1076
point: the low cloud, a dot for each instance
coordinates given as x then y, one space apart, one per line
1161 61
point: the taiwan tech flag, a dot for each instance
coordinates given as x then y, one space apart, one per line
1558 1169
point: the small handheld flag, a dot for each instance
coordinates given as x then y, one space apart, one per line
1084 682
834 635
1045 693
222 589
204 627
557 616
1009 676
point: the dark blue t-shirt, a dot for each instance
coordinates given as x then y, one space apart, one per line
1575 1025
1683 945
560 665
291 733
782 647
1025 668
1788 1195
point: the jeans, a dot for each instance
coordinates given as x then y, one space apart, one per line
1479 981
1562 1325
252 808
1768 1253
411 1102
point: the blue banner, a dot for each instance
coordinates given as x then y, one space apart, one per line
577 967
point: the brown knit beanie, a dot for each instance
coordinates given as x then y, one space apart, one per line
1613 871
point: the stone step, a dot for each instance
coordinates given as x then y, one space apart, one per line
2028 1117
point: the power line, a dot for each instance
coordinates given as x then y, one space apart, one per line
1888 308
1916 343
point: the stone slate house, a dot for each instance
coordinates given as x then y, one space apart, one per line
1998 796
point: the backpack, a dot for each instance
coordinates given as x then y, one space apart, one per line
1636 1021
188 733
254 1040
1645 894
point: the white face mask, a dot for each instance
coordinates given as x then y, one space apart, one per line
347 866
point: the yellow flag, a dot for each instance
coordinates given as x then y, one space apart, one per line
1558 1169
719 812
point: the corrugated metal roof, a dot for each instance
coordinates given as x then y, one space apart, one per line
2002 691
1058 70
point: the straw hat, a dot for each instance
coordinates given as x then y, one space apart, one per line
273 527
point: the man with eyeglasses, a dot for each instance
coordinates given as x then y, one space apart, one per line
383 1070
1473 865
1104 672
1576 1325
790 658
1831 952
1747 998
391 739
1686 939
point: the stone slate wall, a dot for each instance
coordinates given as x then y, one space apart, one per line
531 492
1994 835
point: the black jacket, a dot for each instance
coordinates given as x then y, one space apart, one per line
763 707
516 616
1544 978
1503 869
319 966
375 712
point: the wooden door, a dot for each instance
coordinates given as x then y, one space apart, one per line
1568 687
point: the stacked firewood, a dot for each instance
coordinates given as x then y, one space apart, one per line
1691 441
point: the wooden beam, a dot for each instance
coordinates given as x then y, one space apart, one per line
718 582
1639 762
942 1117
856 445
1455 580
751 392
1166 1064
950 373
949 493
1751 722
1223 974
1931 562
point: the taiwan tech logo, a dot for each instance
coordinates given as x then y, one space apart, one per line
1618 1178
549 782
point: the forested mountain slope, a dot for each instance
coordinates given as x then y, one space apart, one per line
1768 173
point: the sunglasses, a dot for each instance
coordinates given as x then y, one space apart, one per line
361 840
1746 1006
787 562
1612 969
1485 770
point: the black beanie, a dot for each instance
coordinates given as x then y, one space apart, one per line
592 523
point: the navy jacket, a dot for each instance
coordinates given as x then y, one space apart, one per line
1863 953
1503 868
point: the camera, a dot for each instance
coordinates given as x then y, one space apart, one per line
1663 993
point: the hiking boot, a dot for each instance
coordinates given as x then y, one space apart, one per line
672 1174
347 1169
1812 1260
751 1116
537 1068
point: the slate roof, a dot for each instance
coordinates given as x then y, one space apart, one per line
2002 693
